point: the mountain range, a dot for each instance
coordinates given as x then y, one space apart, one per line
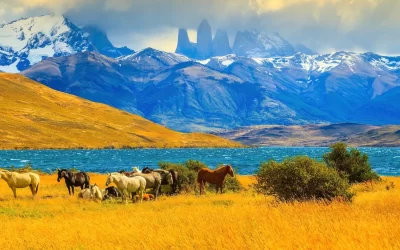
265 80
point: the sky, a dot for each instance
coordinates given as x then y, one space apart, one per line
322 25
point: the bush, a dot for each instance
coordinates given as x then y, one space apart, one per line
301 178
195 165
186 177
352 165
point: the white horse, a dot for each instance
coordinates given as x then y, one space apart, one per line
95 192
16 180
85 194
127 185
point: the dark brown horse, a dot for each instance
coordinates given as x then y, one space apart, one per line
216 177
167 177
111 192
72 180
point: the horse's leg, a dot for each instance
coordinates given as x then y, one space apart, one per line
14 191
73 192
69 190
141 191
32 190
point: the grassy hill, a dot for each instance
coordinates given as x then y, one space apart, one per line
34 116
315 135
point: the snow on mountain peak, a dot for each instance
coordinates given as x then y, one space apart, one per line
29 40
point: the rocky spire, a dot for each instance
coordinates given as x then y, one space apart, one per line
184 46
220 44
204 41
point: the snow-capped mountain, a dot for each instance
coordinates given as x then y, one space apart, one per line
232 91
28 41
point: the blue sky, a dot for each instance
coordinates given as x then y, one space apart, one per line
323 25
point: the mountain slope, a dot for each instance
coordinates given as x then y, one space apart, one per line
35 116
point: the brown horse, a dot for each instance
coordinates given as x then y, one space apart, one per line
72 180
216 177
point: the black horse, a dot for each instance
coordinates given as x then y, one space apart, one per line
166 176
72 180
111 192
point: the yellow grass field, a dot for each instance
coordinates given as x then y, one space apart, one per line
228 221
35 116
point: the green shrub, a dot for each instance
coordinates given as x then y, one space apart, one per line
352 164
186 176
195 165
301 178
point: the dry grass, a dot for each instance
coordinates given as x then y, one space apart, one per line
228 221
35 116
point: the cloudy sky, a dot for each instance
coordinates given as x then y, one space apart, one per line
323 25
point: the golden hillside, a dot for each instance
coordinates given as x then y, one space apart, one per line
35 116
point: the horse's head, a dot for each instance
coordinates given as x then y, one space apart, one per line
61 173
109 179
229 170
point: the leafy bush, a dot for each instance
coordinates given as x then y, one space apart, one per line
301 178
195 165
186 177
352 164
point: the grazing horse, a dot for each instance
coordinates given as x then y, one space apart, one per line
216 177
111 192
16 180
127 185
153 180
72 180
167 177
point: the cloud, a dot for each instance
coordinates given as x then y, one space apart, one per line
323 25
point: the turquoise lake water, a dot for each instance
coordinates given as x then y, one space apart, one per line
386 161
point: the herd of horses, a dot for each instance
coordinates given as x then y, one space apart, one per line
127 184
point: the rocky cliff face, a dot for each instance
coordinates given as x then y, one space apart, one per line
204 41
185 47
220 45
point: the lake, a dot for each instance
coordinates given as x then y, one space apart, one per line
386 161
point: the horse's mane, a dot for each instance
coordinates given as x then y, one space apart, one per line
64 169
220 169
